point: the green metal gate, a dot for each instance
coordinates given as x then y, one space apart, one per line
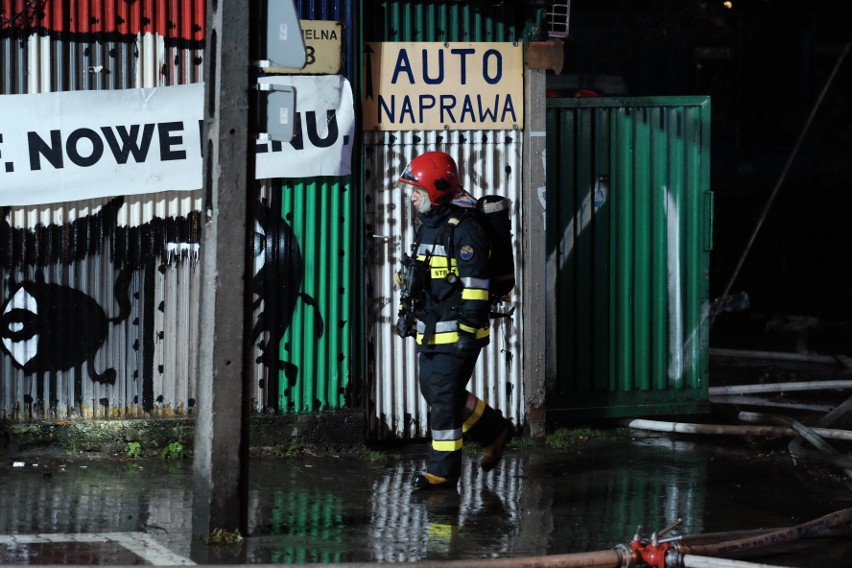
629 233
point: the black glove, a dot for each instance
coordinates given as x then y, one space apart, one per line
466 343
405 326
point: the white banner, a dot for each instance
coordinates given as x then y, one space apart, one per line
324 130
76 145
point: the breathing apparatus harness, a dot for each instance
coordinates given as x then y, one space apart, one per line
413 285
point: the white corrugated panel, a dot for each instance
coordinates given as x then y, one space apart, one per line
489 163
132 276
143 359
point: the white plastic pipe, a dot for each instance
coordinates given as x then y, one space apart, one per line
774 355
731 429
693 561
758 401
781 387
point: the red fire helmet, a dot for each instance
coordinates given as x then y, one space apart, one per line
436 173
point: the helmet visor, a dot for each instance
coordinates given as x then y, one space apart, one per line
408 176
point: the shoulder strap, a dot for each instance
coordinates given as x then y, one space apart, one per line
450 233
415 246
430 318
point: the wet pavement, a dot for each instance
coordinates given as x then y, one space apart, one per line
332 509
359 508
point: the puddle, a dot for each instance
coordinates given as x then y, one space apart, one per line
78 554
346 509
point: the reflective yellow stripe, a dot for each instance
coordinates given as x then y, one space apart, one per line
441 531
440 338
474 294
467 328
452 336
475 416
438 261
440 266
447 445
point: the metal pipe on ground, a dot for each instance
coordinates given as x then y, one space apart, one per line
781 387
796 446
804 432
840 411
799 428
730 429
842 360
740 399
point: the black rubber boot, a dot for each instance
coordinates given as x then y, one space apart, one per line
493 453
428 482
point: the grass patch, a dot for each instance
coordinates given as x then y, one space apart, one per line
221 537
571 438
174 451
133 449
375 456
521 443
470 449
291 451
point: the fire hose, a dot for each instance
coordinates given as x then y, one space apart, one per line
656 552
677 553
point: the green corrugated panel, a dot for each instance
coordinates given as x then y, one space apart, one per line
413 20
628 227
319 213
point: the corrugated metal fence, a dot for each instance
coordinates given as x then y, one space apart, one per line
110 285
629 218
99 299
50 45
489 163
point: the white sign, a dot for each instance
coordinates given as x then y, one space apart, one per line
436 85
76 145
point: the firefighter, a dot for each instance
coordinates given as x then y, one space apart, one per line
445 306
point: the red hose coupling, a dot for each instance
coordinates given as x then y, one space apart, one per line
653 555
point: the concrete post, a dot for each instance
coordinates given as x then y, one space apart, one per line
532 231
220 483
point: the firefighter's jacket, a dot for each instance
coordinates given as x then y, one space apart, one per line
451 240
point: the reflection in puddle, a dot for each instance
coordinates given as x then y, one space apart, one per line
479 519
77 553
537 502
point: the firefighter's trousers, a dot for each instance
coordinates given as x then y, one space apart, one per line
455 412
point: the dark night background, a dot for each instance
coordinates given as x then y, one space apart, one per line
764 63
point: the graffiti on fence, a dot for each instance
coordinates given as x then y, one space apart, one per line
52 322
279 272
